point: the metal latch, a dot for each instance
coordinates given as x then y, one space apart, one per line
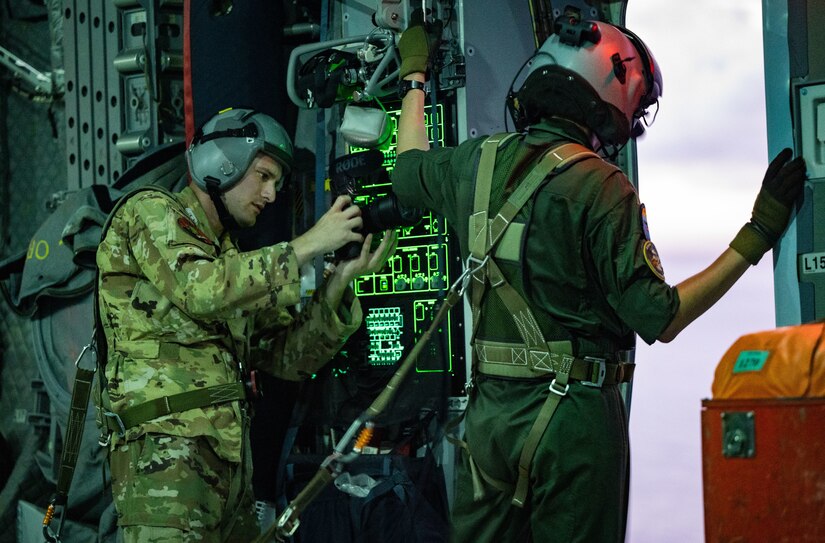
738 434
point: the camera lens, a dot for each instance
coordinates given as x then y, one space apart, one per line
386 213
381 214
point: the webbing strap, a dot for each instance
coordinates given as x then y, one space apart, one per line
176 403
558 388
479 223
484 183
74 429
476 473
554 159
526 324
487 233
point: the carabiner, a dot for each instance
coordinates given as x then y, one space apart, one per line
468 273
89 346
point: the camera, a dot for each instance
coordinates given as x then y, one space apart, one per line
350 174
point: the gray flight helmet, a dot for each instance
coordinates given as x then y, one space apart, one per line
224 148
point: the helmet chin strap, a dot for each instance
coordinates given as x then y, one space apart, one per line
227 220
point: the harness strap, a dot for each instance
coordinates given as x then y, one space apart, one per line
526 324
485 234
556 159
479 223
74 429
484 181
558 388
176 403
517 361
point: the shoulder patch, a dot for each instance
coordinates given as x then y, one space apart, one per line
653 260
643 213
189 227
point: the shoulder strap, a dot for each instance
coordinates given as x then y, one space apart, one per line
486 233
483 185
554 161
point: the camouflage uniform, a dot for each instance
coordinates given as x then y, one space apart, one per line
182 309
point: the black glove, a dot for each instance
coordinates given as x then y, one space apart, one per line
418 43
781 186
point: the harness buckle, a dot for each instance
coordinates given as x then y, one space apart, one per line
556 389
602 364
90 347
121 432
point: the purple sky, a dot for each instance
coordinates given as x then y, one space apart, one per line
701 165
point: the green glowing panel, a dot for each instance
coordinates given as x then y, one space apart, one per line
412 269
391 153
430 361
400 300
385 326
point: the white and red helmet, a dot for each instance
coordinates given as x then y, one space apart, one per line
595 73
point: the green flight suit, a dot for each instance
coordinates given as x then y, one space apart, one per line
183 309
591 276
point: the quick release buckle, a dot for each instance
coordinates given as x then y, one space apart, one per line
555 388
121 432
602 365
90 348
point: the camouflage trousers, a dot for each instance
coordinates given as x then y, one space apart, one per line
169 488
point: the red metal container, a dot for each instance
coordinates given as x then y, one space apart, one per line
764 470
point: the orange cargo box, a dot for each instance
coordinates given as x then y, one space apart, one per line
763 470
763 439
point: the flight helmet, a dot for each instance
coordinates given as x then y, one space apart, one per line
594 73
226 145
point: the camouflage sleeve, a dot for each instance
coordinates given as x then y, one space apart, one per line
300 344
186 268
